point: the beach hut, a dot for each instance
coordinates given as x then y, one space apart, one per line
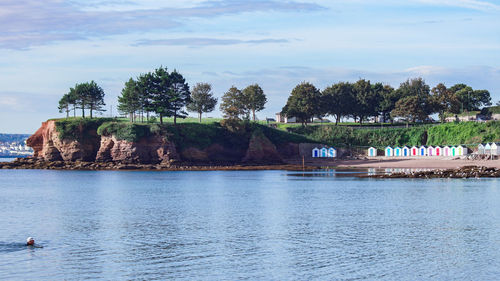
332 152
372 152
438 151
430 151
446 151
480 149
422 151
406 151
462 150
453 151
389 152
324 152
414 151
487 149
315 152
397 151
495 148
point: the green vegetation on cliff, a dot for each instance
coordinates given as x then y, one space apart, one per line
79 128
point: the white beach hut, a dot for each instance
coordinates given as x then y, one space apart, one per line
495 148
389 152
397 151
487 149
324 152
332 152
414 151
406 151
480 149
372 152
422 151
438 151
430 151
315 152
446 151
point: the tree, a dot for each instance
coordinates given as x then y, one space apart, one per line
202 99
95 97
129 101
366 100
409 108
254 99
232 105
304 103
179 96
338 100
388 100
473 99
64 104
418 89
445 101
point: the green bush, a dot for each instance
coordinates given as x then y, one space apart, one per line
125 131
78 128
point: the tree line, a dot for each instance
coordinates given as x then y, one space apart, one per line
413 101
165 94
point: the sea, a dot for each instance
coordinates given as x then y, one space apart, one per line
246 225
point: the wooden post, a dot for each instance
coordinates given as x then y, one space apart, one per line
303 163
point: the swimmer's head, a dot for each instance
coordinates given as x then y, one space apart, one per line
30 241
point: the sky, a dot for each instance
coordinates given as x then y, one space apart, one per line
48 46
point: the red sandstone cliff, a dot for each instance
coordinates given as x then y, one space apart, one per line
49 147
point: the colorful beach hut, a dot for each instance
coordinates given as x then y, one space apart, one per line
414 151
389 152
422 151
332 152
406 151
315 152
372 152
453 151
480 148
462 150
438 151
430 151
446 151
397 151
324 152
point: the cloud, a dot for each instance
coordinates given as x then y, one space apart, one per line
200 42
469 4
27 23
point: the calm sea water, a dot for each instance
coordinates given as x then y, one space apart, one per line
266 225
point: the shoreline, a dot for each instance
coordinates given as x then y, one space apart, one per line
437 163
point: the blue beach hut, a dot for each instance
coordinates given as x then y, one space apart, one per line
397 151
406 151
389 152
372 152
315 152
422 151
324 152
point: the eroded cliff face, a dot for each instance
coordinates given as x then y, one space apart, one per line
261 150
154 149
91 147
49 147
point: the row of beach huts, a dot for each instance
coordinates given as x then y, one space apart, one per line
424 150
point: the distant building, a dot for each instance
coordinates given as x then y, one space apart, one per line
280 118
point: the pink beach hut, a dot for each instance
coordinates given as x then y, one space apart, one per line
430 151
446 151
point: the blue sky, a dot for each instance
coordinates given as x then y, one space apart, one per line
45 48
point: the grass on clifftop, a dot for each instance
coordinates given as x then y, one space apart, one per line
78 128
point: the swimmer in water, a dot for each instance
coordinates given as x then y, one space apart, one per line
31 242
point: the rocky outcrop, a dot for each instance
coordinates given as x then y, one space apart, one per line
463 172
261 150
49 147
154 149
